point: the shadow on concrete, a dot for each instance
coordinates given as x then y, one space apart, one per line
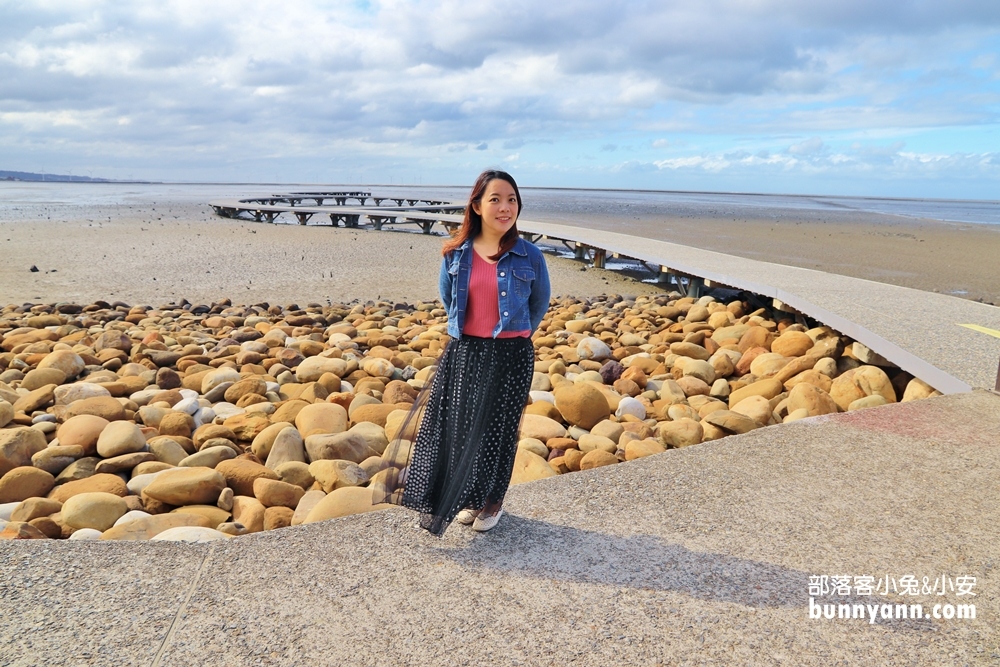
520 545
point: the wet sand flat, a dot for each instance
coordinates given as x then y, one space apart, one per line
166 250
162 253
953 258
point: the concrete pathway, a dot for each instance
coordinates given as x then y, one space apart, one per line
702 555
918 331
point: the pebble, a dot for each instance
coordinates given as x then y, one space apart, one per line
132 515
304 400
191 534
97 510
86 534
120 437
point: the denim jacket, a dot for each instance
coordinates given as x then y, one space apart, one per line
522 287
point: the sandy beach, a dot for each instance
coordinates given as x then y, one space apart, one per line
164 250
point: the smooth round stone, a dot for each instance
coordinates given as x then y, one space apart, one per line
188 405
378 367
217 377
86 534
68 393
46 418
119 438
143 396
631 340
187 486
274 387
7 509
188 393
233 528
140 482
546 396
208 458
226 410
225 501
630 406
204 416
218 393
45 426
132 515
96 509
152 416
191 534
593 348
534 445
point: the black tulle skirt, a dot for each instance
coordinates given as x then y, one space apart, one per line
456 447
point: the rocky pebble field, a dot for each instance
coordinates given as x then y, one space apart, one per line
199 422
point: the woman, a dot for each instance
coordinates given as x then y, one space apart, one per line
495 289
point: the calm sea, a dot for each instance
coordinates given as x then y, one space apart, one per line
545 203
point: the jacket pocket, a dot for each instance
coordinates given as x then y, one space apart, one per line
522 282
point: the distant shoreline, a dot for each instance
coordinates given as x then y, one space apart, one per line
150 242
29 177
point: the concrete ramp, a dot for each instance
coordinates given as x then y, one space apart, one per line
699 555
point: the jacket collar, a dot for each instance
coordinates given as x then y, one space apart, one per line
518 249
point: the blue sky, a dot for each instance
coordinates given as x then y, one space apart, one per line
831 97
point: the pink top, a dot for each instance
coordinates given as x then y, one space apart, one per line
482 313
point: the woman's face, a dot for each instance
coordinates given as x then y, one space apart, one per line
498 207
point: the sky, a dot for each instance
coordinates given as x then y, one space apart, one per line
849 97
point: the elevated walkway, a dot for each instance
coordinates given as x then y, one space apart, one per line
919 331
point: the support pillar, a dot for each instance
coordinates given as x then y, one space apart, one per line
600 258
696 286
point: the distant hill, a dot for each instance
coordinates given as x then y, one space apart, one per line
58 178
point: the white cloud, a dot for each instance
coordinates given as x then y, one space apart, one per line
810 146
418 80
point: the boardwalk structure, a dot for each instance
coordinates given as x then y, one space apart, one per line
422 212
952 344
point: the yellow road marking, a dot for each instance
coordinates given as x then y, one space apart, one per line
976 327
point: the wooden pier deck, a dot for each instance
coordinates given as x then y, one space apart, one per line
422 212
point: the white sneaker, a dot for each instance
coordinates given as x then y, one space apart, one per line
465 517
482 524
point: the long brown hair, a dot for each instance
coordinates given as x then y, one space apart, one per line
472 223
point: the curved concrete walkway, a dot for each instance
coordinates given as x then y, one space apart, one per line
918 331
694 556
